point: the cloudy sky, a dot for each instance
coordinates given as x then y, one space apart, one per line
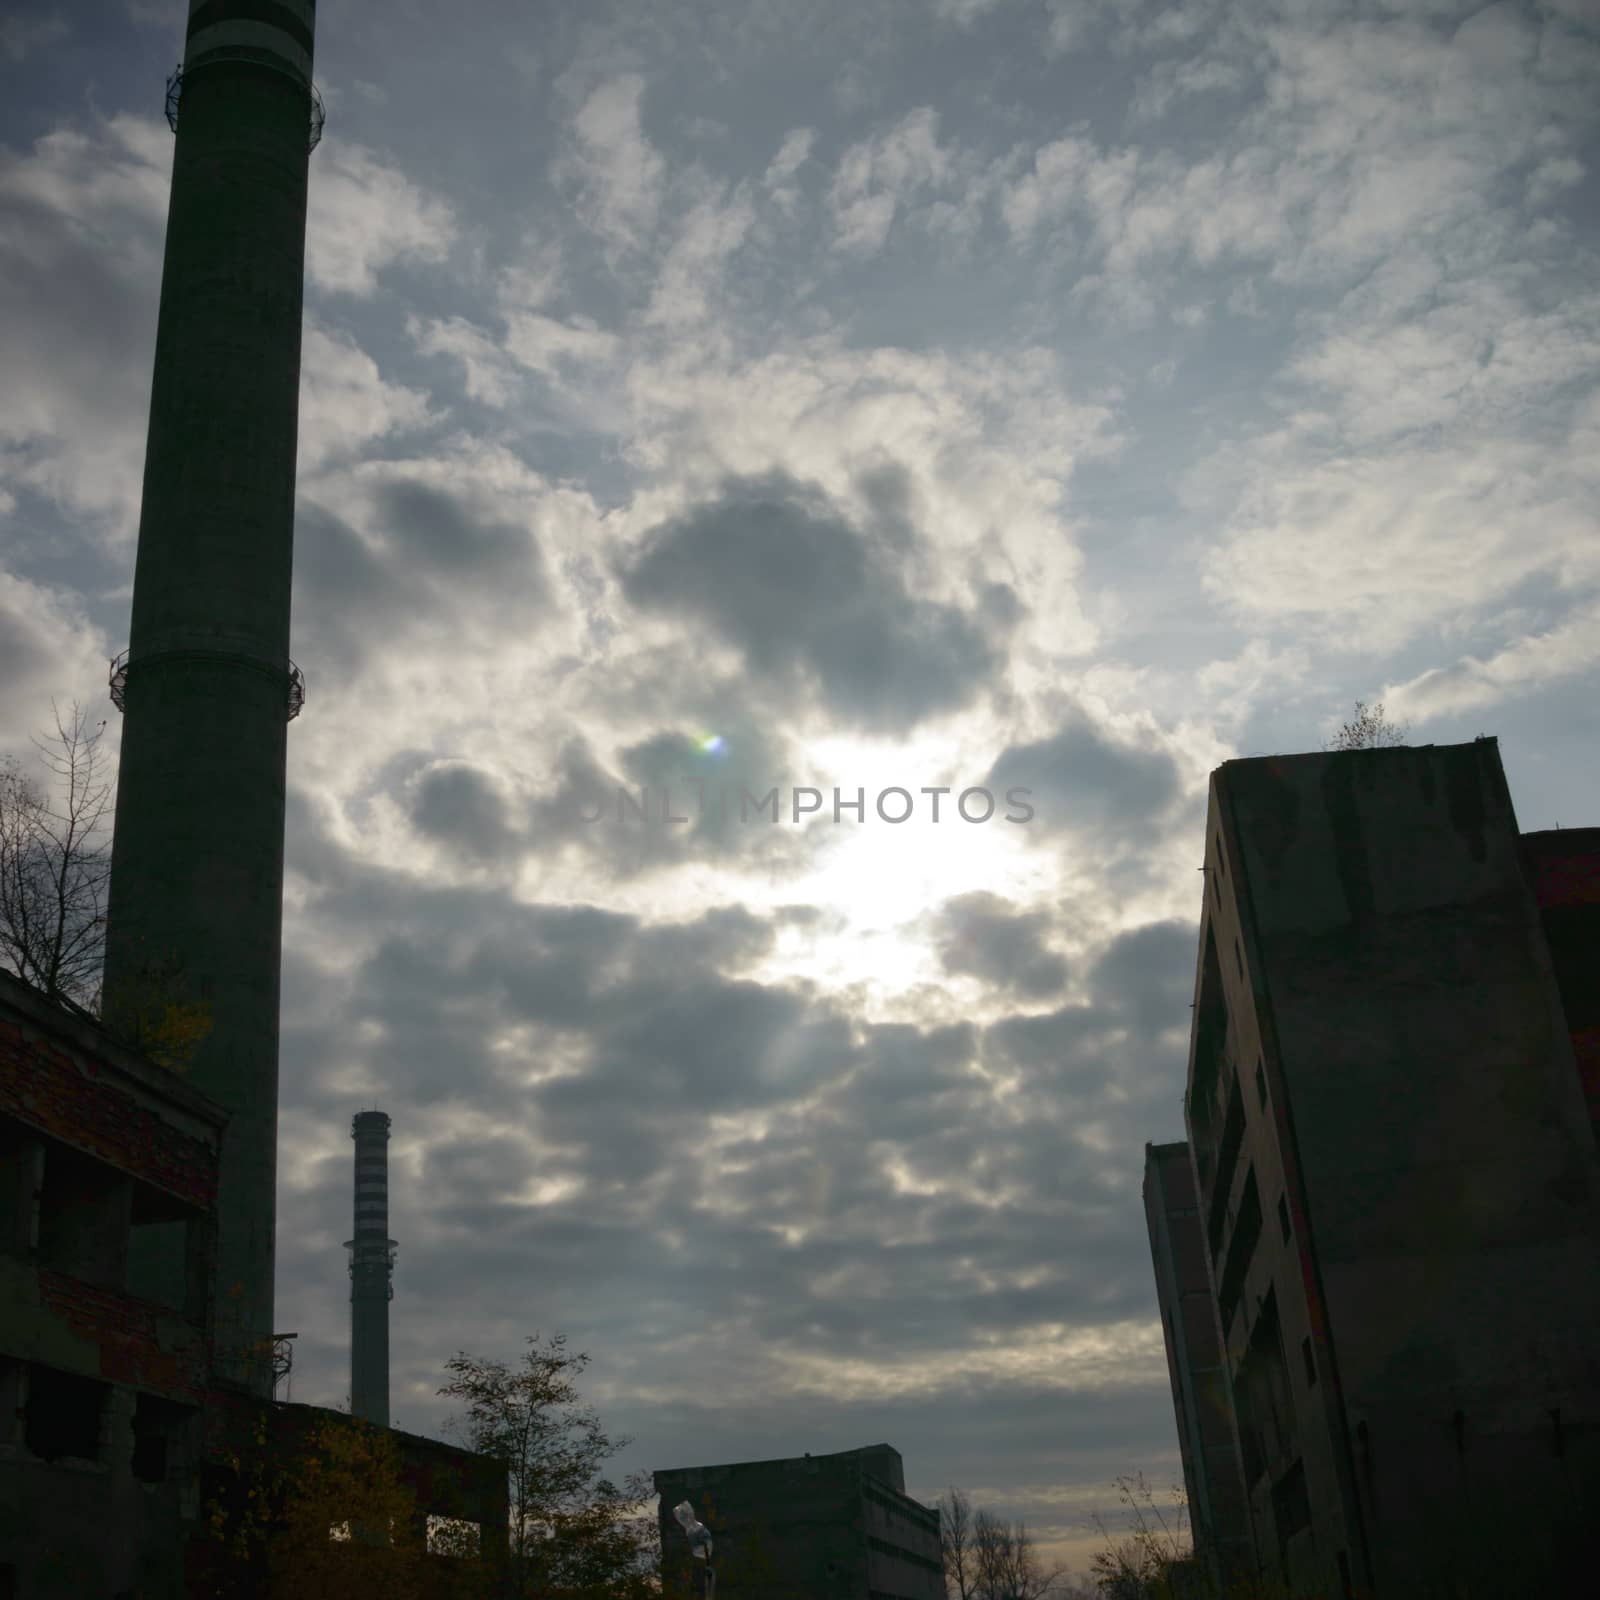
922 394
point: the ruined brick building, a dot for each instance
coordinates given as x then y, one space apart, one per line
115 1419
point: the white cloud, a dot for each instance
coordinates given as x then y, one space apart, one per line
877 175
620 170
696 261
964 12
81 218
345 402
1044 194
1071 24
986 443
1232 687
363 215
534 278
489 374
1526 664
1364 551
49 648
792 154
1171 81
546 345
1481 358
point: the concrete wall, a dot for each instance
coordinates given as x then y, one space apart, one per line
833 1527
1201 1395
1400 1169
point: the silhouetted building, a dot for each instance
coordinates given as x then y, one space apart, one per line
137 1209
206 686
833 1527
101 1391
1397 1175
1201 1396
371 1270
115 1426
1562 866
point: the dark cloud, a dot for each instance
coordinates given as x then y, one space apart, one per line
673 800
1000 606
890 497
985 935
815 607
22 652
725 938
1147 974
77 319
1081 779
438 531
427 562
458 805
345 595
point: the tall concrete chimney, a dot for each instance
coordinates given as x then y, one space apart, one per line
196 898
371 1270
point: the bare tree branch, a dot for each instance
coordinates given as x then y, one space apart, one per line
1368 729
55 867
984 1558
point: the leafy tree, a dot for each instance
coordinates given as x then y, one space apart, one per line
54 867
346 1516
570 1536
334 1520
1368 729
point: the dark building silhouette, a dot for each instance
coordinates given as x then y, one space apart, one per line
371 1270
206 685
114 1427
1562 866
1207 1439
1397 1174
833 1527
137 1208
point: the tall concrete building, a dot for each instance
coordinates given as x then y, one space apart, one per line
1397 1176
371 1271
206 684
1207 1439
834 1527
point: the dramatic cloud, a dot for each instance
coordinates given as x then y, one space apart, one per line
1082 778
811 605
701 398
987 937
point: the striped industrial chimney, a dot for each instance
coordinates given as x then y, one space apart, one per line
206 684
371 1269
